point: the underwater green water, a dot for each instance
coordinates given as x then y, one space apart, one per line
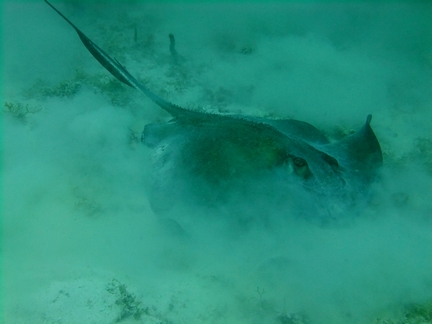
98 228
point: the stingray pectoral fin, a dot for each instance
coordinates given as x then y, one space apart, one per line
155 134
118 71
303 130
360 152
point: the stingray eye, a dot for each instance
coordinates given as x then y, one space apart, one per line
299 162
301 167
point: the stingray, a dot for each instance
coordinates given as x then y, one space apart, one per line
223 150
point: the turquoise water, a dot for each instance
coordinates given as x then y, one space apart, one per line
82 239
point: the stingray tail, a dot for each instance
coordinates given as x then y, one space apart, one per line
119 71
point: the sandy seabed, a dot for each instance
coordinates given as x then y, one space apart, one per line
81 243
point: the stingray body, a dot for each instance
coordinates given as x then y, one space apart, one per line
226 151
